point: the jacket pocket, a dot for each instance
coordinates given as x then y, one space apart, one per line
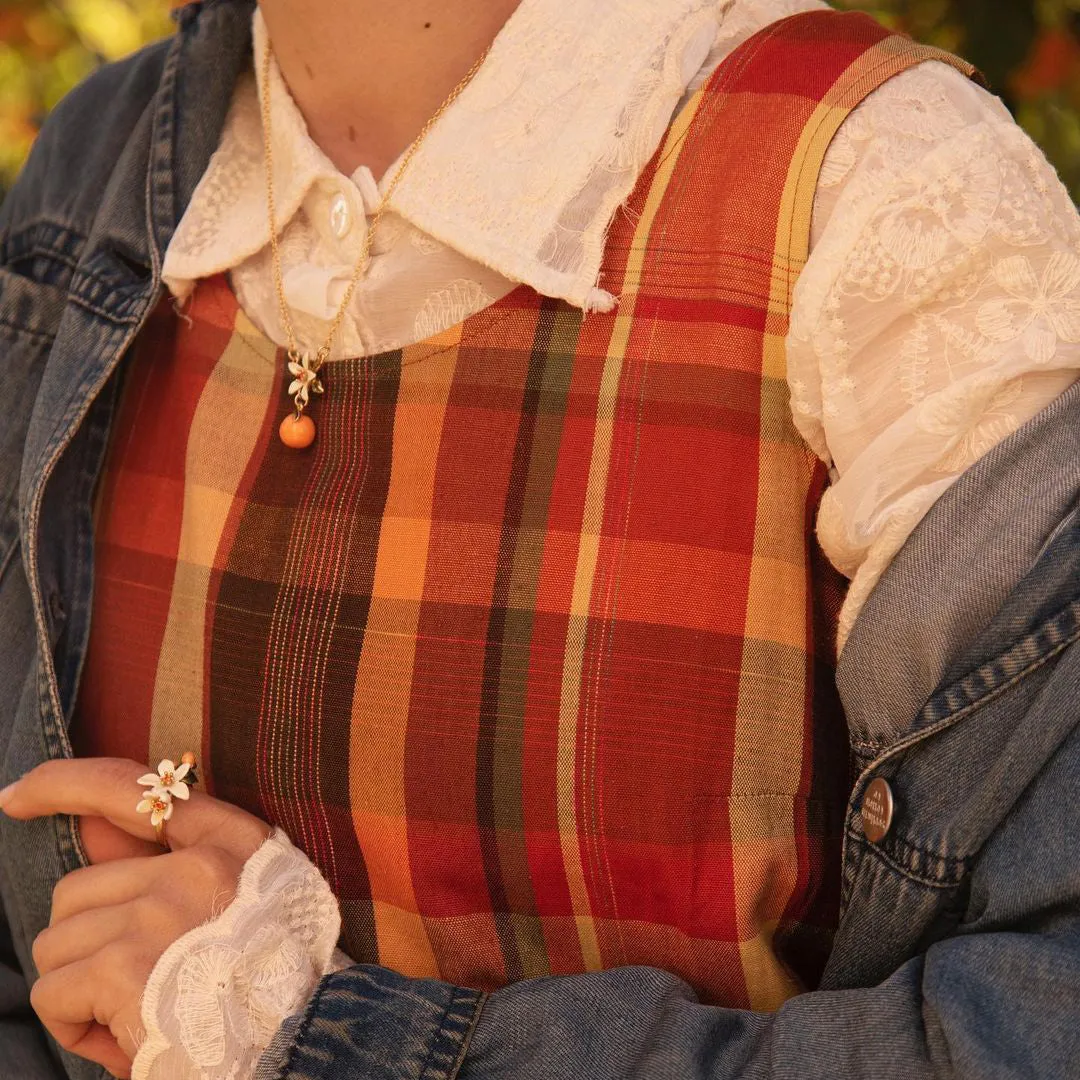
29 307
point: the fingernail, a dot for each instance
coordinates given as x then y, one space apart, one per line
6 793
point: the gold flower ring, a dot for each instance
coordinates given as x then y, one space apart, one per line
169 783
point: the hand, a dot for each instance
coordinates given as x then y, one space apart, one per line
112 921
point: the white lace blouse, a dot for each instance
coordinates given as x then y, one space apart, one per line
939 310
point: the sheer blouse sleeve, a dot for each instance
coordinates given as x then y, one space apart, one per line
219 993
939 309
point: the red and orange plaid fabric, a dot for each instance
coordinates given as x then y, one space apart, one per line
531 653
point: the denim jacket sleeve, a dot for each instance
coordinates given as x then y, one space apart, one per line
24 1052
991 996
23 1048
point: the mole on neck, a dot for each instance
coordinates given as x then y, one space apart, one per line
364 75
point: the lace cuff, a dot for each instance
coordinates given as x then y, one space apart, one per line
218 994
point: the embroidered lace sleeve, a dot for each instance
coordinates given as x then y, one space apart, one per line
218 994
939 310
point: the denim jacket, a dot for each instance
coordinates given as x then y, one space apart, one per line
958 951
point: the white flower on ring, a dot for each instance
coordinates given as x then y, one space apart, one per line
158 804
1041 312
168 780
305 380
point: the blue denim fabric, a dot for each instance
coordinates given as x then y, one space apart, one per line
415 1028
958 953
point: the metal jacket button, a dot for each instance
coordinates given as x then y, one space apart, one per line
877 810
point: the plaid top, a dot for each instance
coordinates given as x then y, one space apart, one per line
531 652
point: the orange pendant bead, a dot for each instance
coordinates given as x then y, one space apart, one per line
297 432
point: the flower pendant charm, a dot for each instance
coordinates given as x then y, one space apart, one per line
305 372
297 431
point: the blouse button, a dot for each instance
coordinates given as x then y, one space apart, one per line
340 217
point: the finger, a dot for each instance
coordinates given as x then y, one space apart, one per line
92 1041
109 788
105 885
193 884
128 1030
97 1043
102 841
82 991
70 998
80 936
106 988
100 1045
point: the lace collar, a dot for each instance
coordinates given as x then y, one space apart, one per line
524 171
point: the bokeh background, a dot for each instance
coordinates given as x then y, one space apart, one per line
1029 49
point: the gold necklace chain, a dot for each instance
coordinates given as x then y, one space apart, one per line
298 430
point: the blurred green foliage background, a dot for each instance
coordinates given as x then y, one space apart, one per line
1029 49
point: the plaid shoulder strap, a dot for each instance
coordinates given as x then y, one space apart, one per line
756 134
714 240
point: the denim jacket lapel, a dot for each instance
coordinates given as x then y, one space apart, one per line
114 287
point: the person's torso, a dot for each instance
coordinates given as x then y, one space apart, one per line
81 241
531 652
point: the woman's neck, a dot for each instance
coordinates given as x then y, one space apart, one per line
367 75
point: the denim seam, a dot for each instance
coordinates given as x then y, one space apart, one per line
466 1042
111 314
105 313
12 252
53 730
42 251
81 613
884 855
77 840
427 1071
81 400
986 672
54 740
26 331
945 722
1063 526
962 863
159 190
